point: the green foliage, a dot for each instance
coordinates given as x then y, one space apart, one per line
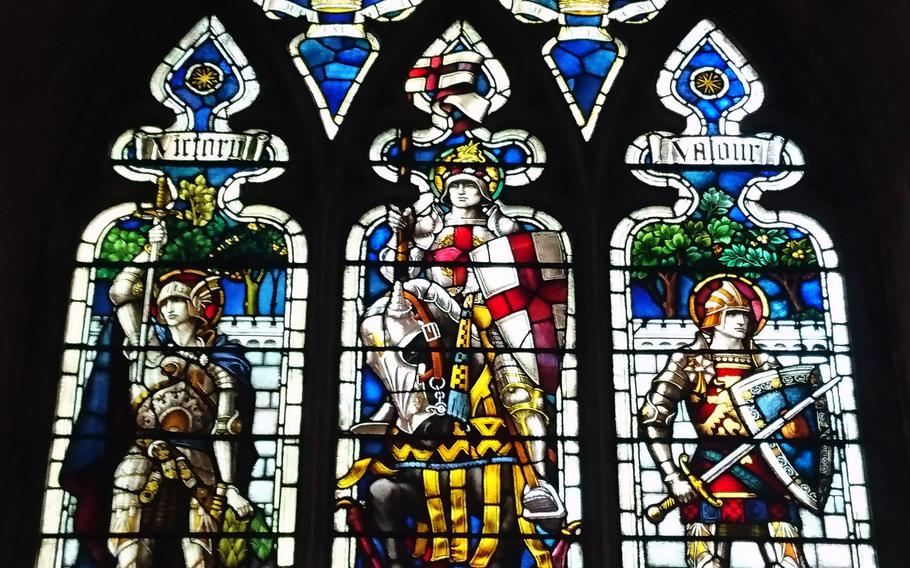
739 256
724 231
696 230
187 243
720 238
714 240
233 550
262 546
200 200
664 245
772 238
799 252
257 242
715 203
199 233
121 245
253 535
810 314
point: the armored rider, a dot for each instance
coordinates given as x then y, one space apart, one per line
440 231
754 504
184 386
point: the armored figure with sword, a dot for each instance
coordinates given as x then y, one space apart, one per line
761 429
188 384
465 225
466 344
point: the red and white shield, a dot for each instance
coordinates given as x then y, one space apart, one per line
525 284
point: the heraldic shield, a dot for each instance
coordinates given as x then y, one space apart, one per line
525 285
800 453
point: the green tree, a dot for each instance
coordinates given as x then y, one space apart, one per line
785 260
713 237
187 243
714 203
664 248
197 233
242 244
667 247
199 197
192 227
121 245
799 256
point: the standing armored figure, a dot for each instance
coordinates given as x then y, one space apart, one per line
748 501
186 381
444 234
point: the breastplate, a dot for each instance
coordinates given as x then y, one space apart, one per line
710 406
175 408
450 248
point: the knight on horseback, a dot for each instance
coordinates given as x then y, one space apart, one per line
466 344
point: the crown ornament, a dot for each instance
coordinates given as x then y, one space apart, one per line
337 6
584 7
472 161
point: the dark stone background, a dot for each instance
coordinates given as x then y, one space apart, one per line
75 75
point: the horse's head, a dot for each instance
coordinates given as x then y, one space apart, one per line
404 333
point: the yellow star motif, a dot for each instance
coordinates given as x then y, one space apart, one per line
709 82
204 78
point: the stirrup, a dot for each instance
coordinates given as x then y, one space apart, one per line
542 503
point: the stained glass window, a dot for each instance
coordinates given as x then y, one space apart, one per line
178 425
335 53
178 410
732 367
584 57
458 414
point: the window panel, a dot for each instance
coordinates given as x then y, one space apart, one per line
178 405
584 57
457 399
732 358
335 53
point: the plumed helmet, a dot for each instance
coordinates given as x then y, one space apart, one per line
203 294
174 289
468 162
722 293
727 298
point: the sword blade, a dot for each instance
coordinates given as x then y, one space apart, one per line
139 369
774 427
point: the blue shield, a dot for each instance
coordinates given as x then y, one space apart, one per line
800 453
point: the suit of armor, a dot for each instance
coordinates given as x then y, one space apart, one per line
755 504
439 239
174 478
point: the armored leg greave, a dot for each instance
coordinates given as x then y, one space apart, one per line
131 552
783 553
707 553
525 404
197 553
130 479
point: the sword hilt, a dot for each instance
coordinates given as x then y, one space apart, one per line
657 513
401 248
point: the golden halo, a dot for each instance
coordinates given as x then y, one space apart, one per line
213 310
472 159
758 300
